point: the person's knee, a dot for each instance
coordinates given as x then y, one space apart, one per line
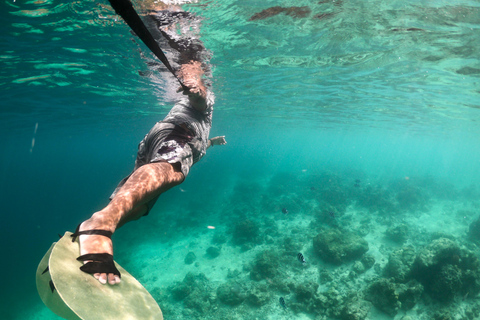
171 173
139 211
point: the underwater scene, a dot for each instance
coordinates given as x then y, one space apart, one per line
349 187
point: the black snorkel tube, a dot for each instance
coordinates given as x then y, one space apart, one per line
125 9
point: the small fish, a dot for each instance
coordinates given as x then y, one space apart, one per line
284 210
331 214
357 181
282 303
300 257
313 188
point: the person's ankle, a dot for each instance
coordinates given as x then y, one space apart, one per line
98 222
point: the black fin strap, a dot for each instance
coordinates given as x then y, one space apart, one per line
102 263
46 269
98 232
125 9
52 286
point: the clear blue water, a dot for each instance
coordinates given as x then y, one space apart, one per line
378 91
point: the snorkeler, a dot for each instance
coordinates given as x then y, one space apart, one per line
164 156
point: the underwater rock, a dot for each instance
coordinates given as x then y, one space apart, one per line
400 264
398 233
231 293
270 12
368 261
446 283
474 230
439 251
296 12
321 16
180 291
305 292
265 266
292 245
443 315
325 276
198 301
358 267
337 246
436 268
407 29
195 292
446 271
190 258
468 71
233 273
409 294
390 297
355 309
383 295
472 311
307 300
258 296
334 302
245 232
213 252
335 2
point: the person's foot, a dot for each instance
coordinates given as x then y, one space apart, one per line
191 73
97 244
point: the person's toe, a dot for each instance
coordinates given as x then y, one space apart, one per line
102 278
112 279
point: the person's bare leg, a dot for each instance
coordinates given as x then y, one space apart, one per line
145 184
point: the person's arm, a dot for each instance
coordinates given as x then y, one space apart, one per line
216 141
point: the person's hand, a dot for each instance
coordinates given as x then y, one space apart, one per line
218 141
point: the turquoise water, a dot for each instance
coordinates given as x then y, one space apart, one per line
386 93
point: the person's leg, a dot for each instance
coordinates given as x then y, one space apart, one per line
145 184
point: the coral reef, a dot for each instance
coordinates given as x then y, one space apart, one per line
409 196
400 263
383 296
258 295
306 297
358 267
397 233
231 293
336 246
435 276
409 294
474 230
390 297
446 271
355 309
377 200
265 266
245 232
368 261
195 292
